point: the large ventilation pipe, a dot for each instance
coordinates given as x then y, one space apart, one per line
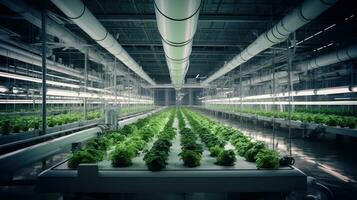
317 62
268 77
81 15
30 58
33 16
177 24
329 58
307 11
53 28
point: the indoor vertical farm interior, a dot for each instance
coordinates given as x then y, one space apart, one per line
178 99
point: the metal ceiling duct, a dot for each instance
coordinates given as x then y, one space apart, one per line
177 24
329 58
53 28
303 14
30 58
81 15
33 16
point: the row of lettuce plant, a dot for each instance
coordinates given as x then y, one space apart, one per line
156 159
17 124
191 150
214 143
303 116
252 151
122 145
138 141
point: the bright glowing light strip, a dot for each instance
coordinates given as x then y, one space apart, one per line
308 92
55 83
61 101
68 93
292 103
36 80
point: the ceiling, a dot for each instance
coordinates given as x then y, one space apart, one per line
225 28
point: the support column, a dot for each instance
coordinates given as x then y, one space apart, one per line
85 84
115 81
190 97
44 69
166 97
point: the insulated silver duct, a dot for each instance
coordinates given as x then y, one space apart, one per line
329 58
30 58
307 11
53 28
33 16
177 24
81 15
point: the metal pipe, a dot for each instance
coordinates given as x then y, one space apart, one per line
85 83
177 24
33 16
30 58
81 15
53 28
44 70
329 58
307 11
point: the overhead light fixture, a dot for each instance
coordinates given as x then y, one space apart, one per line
15 90
336 90
299 93
337 103
3 88
197 75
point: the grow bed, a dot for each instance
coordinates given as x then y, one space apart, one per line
294 124
208 177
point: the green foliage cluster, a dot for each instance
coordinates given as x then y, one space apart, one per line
251 154
92 152
226 158
191 153
214 143
244 146
25 123
127 143
329 117
156 158
215 151
181 120
136 140
267 159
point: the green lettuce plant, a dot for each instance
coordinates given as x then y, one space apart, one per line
267 159
226 158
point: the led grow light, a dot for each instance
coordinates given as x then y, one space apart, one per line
308 92
339 103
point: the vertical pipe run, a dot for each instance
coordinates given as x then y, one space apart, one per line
85 82
273 93
115 81
44 69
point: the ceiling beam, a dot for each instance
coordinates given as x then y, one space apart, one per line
184 86
202 18
195 44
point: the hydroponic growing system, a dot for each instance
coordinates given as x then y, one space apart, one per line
178 99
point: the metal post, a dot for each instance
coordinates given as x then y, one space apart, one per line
290 42
240 93
85 83
115 81
166 97
44 69
273 92
190 97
